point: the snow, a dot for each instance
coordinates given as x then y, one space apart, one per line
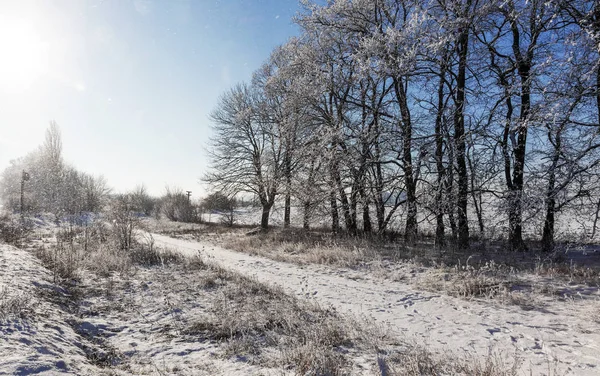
36 338
139 317
125 320
143 317
560 336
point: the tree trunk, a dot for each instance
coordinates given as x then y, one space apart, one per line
410 233
335 216
459 140
367 226
515 229
380 213
440 235
596 33
288 186
306 215
350 224
476 196
550 200
346 211
449 188
548 233
378 194
513 217
516 195
478 211
598 89
523 63
264 220
353 211
596 217
287 210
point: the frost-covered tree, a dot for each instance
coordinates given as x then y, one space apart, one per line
448 110
52 185
246 152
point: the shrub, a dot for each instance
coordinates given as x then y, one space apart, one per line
176 206
13 230
13 306
124 220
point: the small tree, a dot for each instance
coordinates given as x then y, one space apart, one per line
124 220
143 201
95 192
176 206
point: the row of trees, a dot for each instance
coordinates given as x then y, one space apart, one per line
42 182
175 205
465 112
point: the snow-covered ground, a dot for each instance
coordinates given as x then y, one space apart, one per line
35 335
559 338
134 324
142 319
138 322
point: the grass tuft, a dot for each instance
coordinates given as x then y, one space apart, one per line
14 306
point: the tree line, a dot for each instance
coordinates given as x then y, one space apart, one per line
470 115
42 182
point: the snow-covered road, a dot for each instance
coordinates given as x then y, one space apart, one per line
560 337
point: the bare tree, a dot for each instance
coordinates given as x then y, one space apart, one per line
143 201
246 154
415 109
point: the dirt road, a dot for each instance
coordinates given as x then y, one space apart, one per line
559 337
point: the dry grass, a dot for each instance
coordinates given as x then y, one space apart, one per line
265 326
487 271
466 281
418 361
287 245
305 248
251 322
254 322
14 305
569 271
489 282
322 247
197 231
94 248
13 230
262 326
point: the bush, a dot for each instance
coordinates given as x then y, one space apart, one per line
176 206
144 203
12 230
124 220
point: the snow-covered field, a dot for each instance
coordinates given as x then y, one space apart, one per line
36 337
137 324
184 317
561 337
138 321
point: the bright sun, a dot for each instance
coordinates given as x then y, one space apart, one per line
24 55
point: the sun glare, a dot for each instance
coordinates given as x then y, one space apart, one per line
24 55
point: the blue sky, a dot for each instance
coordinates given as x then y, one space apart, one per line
130 83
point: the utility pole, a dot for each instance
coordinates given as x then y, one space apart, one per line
189 193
